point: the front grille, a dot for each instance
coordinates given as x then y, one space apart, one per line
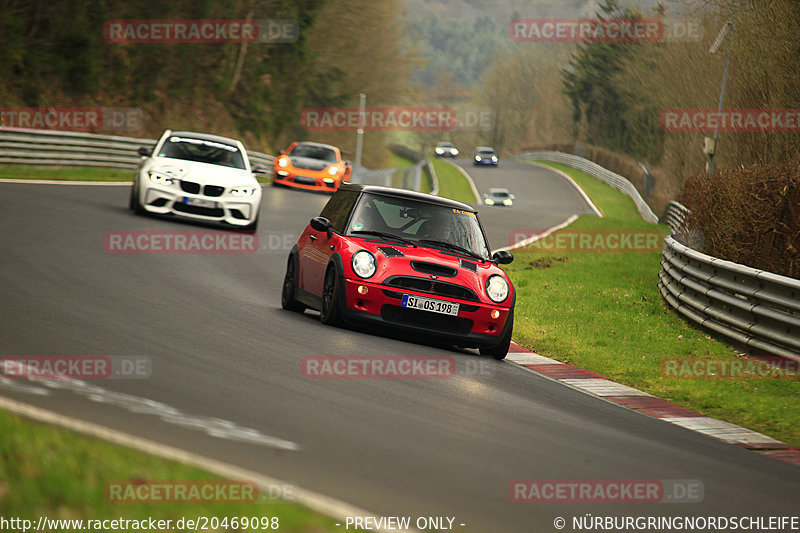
425 319
439 288
305 180
433 268
197 210
190 187
213 190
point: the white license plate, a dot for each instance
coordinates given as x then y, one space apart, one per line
429 304
200 202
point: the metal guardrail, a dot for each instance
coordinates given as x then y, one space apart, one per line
68 148
754 308
674 216
757 309
422 167
593 169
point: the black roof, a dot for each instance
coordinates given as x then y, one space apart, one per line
405 193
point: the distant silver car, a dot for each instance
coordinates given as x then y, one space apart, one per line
445 149
498 196
200 176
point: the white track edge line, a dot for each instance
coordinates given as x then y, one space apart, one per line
574 184
317 502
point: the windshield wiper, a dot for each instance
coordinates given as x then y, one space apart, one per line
452 246
387 236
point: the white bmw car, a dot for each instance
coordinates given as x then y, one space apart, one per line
199 176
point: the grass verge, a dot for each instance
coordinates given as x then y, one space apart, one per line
51 472
603 312
76 174
452 183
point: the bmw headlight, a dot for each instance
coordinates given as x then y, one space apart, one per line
497 288
364 264
243 191
160 179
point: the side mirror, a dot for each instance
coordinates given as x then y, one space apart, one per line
503 257
144 151
321 224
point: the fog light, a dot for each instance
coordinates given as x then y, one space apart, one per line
494 314
362 289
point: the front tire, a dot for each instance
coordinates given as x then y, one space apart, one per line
500 350
288 301
133 203
330 313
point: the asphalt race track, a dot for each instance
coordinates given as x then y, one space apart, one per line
226 378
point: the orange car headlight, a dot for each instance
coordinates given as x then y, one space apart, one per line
283 161
333 170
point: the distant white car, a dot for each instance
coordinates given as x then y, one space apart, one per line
498 196
200 176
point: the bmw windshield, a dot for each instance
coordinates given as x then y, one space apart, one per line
202 151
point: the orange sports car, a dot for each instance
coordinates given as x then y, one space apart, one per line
311 166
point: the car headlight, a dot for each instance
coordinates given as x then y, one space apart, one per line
497 288
333 170
506 202
494 158
454 151
439 151
283 161
477 158
364 264
489 201
243 191
160 179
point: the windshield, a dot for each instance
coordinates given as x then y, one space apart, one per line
499 194
314 152
420 222
202 151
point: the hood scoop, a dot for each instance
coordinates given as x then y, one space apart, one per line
434 269
469 265
390 251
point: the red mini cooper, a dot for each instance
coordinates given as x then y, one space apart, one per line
401 259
